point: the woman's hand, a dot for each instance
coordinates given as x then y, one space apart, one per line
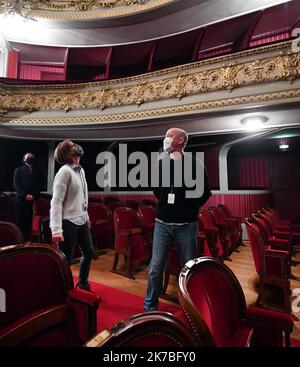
58 238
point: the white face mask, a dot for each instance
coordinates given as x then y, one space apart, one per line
167 143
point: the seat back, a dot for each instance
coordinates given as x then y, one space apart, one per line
102 229
226 210
42 207
257 245
148 214
34 277
217 214
267 219
211 240
150 330
129 232
133 204
262 226
98 210
206 218
10 234
212 299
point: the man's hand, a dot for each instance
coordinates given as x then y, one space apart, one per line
28 197
56 238
89 223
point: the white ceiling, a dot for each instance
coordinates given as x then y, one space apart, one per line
130 30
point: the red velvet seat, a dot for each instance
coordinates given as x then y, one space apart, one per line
221 249
41 211
214 304
10 234
272 265
129 240
275 217
237 222
150 330
133 204
113 205
227 228
212 244
42 306
101 228
173 266
148 214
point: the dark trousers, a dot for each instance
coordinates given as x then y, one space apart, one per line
82 236
24 215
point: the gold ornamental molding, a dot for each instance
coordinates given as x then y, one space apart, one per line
160 112
85 9
227 77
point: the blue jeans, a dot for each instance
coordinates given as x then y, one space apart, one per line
165 234
78 234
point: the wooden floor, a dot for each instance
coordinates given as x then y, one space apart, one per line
242 266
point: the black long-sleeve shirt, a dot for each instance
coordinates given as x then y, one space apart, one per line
184 210
28 183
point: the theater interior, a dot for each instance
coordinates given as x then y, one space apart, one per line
118 74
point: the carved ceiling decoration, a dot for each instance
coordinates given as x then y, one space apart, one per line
196 80
159 112
77 9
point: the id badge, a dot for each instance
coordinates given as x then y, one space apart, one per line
171 198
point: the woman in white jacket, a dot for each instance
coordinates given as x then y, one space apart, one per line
69 220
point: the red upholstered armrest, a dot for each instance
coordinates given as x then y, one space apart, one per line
237 217
99 222
84 305
282 241
282 227
211 230
131 232
281 234
276 319
270 251
230 220
222 225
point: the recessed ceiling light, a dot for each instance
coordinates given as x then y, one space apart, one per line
254 122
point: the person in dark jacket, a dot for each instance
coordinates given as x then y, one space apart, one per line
178 208
28 183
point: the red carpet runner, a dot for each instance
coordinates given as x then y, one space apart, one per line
116 305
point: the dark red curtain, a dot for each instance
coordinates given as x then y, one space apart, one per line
253 172
40 72
211 162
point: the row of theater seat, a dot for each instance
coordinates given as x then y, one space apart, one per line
44 309
130 229
273 243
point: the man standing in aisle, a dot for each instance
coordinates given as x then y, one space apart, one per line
28 183
177 213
